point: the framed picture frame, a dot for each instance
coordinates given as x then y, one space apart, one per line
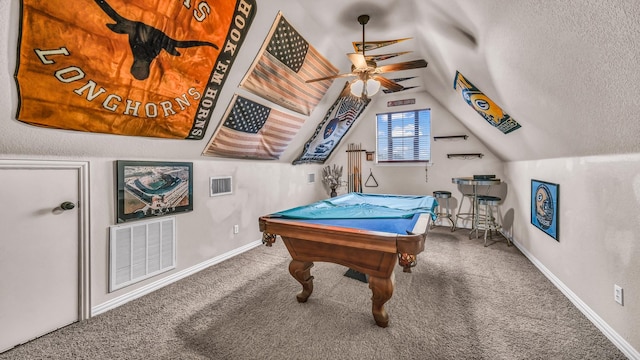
152 188
544 207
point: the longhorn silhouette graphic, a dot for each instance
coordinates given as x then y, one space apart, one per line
146 42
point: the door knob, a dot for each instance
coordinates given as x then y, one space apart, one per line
67 205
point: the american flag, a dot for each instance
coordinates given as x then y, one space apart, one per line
251 130
284 63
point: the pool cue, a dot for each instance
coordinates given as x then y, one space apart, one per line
356 168
349 168
354 165
353 178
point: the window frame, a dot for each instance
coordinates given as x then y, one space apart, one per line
416 138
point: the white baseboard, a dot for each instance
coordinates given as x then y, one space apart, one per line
607 330
149 288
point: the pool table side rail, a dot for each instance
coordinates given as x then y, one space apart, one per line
363 239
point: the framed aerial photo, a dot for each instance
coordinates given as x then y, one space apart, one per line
150 188
544 207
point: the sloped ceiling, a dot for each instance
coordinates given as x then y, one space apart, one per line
567 71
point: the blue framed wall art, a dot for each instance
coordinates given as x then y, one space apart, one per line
544 207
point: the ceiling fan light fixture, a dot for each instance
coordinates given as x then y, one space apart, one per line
373 86
358 89
366 70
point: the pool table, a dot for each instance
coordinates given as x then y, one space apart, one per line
365 232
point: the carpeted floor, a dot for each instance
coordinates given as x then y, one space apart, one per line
462 301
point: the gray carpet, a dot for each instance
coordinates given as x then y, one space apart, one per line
463 301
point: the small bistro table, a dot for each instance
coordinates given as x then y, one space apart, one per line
475 182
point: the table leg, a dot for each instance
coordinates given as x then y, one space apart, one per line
474 212
382 289
301 271
268 239
407 261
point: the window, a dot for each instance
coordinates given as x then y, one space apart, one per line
404 136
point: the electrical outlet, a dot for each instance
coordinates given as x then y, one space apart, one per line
236 229
617 294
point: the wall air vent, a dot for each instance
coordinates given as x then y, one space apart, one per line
221 185
141 250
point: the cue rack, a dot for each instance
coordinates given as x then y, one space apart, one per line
354 166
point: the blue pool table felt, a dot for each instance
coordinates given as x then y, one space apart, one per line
373 212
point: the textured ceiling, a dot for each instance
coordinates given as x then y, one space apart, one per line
567 71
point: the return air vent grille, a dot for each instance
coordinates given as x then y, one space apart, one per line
141 250
221 186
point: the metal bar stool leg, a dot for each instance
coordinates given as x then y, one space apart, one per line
488 220
465 215
443 196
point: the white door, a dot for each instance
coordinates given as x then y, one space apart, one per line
39 252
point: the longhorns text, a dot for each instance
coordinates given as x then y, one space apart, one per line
115 103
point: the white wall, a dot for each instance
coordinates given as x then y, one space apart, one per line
412 179
599 221
260 187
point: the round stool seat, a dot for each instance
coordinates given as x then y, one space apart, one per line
442 194
442 210
488 200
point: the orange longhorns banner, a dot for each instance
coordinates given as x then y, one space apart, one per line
128 67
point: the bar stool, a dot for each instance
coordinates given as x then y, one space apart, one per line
443 213
488 216
469 215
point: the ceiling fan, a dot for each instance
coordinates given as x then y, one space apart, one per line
368 72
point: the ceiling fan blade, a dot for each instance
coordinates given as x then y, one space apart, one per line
330 77
389 84
402 66
387 91
403 79
358 60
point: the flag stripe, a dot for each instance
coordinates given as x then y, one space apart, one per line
235 142
240 141
316 66
290 86
265 72
275 81
232 142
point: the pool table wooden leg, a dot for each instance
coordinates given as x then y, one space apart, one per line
301 271
407 261
382 289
